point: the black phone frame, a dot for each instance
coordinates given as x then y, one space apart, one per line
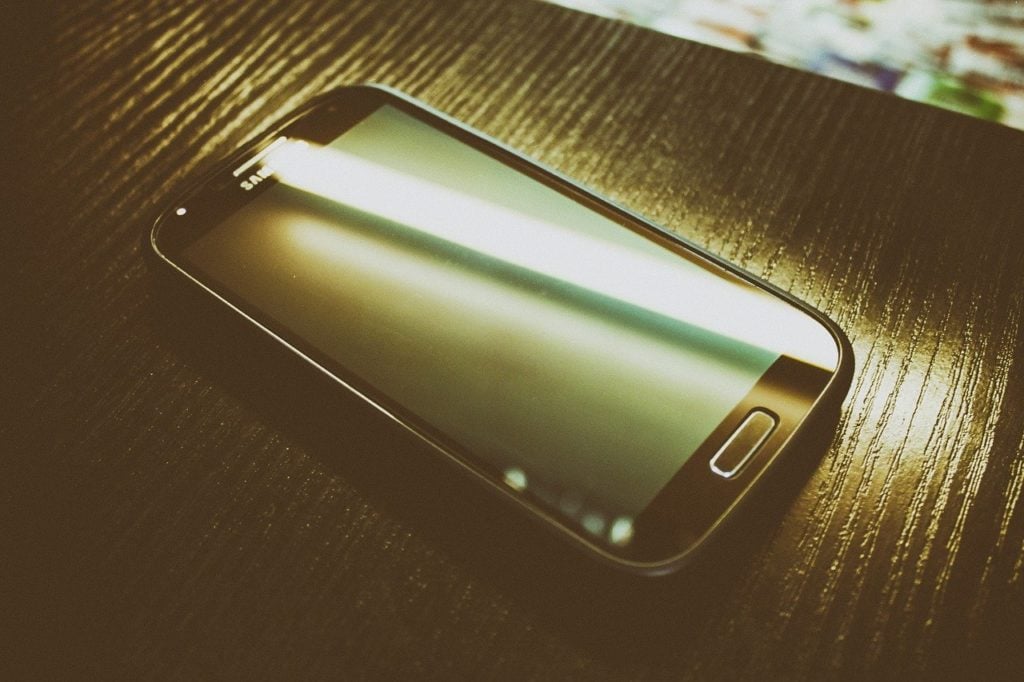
667 534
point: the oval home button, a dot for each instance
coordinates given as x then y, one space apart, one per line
743 443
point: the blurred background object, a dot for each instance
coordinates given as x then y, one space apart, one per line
964 55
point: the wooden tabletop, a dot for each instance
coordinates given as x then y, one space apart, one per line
180 502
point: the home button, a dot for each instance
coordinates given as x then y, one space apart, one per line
744 442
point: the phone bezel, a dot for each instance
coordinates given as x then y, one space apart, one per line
215 195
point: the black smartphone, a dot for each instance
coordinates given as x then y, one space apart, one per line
615 382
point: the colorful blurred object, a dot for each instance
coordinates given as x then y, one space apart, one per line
964 55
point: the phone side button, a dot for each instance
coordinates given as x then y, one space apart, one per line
744 442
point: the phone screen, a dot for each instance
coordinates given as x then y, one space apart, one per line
578 361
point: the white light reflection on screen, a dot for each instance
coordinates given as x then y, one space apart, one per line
515 478
631 276
621 532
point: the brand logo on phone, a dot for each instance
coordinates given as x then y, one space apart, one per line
256 178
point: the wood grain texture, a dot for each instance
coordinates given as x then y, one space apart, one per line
181 504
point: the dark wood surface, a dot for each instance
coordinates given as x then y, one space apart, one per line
179 502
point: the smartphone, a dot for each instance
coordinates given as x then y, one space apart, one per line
616 383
